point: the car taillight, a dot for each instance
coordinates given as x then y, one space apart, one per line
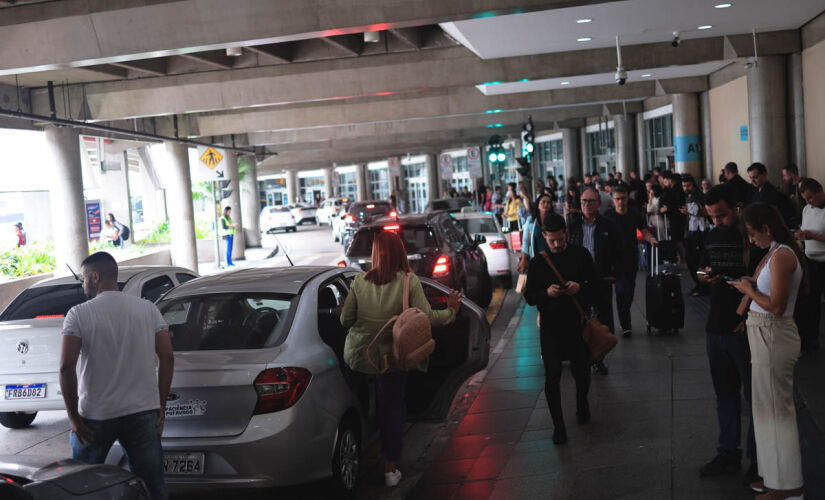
442 266
394 227
49 316
498 245
280 388
342 264
348 218
393 214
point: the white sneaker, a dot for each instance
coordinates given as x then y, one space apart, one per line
392 479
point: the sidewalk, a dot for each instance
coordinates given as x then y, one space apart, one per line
653 426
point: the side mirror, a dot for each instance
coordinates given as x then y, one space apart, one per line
479 239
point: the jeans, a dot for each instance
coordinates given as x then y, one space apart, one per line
138 435
625 288
229 239
730 369
391 405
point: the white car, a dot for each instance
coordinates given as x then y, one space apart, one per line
330 208
274 218
495 249
31 337
303 213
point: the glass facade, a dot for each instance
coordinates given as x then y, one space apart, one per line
415 180
659 144
550 157
347 186
273 192
601 147
309 187
379 184
461 175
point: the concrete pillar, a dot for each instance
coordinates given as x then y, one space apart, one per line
585 151
234 202
571 153
641 146
433 183
767 96
707 151
250 202
328 191
71 241
625 126
181 212
292 186
361 181
687 144
796 112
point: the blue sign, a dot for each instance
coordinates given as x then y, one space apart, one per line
743 133
687 148
93 220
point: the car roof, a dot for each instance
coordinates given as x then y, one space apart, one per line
254 279
414 219
373 202
124 273
473 215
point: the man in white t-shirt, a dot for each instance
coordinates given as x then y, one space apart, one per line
812 232
126 364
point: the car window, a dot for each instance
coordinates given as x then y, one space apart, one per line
363 210
450 235
460 232
51 301
415 238
184 277
479 225
155 287
228 321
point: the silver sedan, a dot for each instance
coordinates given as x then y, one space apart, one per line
259 397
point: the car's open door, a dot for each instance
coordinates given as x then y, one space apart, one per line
461 349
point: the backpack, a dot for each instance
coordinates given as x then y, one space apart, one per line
412 338
123 231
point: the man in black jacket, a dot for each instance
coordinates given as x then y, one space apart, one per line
600 236
741 188
765 192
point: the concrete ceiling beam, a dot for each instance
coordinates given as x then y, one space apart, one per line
380 75
73 33
283 52
215 58
682 85
351 44
154 67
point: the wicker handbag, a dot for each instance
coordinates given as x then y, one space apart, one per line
412 338
598 337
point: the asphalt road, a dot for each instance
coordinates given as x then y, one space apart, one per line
310 245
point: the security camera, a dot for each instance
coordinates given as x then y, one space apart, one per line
621 76
676 39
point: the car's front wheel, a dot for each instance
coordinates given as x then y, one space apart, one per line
346 460
16 419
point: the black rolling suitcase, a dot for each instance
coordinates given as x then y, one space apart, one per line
664 305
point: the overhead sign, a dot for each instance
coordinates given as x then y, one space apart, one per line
474 162
446 163
394 166
211 163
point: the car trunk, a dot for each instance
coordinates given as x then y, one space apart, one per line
422 263
30 346
212 392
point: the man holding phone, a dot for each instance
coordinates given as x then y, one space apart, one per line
726 340
812 232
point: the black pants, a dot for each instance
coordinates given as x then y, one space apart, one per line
625 288
604 304
694 246
564 342
808 309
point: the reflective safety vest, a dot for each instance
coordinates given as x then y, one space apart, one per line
226 227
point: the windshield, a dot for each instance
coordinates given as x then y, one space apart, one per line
274 210
450 203
228 321
416 239
362 211
485 225
46 302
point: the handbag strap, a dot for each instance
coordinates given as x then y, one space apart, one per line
405 298
374 339
562 281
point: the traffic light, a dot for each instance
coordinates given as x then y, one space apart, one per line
495 150
527 148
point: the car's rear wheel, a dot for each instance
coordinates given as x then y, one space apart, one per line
16 419
485 292
346 460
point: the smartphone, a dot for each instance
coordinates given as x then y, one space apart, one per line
703 273
731 279
563 287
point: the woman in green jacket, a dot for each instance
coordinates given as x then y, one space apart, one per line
374 298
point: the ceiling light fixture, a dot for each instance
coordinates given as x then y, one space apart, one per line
723 5
646 75
565 83
584 21
584 39
705 27
372 36
234 51
489 111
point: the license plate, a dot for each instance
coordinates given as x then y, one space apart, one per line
183 463
29 391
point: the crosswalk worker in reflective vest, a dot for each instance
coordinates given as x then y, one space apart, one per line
227 232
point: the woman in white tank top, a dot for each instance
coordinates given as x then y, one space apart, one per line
769 297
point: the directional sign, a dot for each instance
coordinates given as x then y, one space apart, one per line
474 162
446 162
212 166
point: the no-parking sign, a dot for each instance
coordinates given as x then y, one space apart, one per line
446 163
474 161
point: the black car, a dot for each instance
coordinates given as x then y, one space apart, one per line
362 212
448 205
438 247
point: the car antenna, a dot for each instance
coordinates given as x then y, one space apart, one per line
73 273
285 252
